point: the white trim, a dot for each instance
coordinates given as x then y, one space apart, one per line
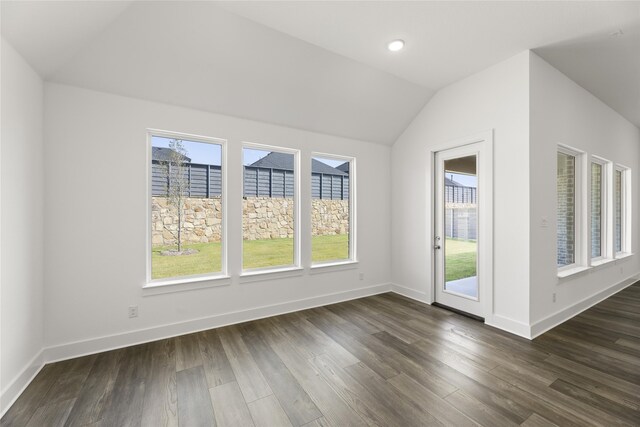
461 295
353 229
582 248
568 149
485 173
149 282
20 382
185 279
186 284
510 325
605 210
543 325
571 270
296 206
112 342
623 255
420 296
616 253
262 274
583 215
626 213
506 324
601 262
328 267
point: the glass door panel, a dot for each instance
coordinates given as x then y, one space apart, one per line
461 226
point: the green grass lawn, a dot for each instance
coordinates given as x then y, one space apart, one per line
267 253
329 248
207 260
460 259
256 254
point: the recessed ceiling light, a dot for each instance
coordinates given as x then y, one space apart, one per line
395 45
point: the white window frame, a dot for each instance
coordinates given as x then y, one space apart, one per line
222 276
296 212
606 226
352 210
626 193
581 209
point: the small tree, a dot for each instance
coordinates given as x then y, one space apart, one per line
177 174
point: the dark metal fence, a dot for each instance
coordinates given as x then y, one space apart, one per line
324 186
206 181
460 194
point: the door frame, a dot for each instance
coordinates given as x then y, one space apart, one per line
485 215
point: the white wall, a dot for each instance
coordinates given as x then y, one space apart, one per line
21 334
496 98
95 224
563 112
95 203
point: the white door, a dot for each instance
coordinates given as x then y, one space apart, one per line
457 237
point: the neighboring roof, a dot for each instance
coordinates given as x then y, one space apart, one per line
344 167
452 183
284 161
163 154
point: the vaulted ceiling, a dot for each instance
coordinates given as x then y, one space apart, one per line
320 66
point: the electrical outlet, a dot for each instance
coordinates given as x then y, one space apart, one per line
133 311
554 297
361 276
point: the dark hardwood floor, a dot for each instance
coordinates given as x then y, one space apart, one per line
383 360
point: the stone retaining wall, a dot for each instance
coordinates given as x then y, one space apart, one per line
329 217
202 221
264 218
267 218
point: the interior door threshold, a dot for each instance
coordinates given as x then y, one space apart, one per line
460 312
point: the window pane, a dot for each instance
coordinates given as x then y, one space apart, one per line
186 207
330 214
268 209
618 211
566 186
461 226
596 210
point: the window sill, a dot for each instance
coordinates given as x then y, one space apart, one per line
158 287
572 271
263 274
328 267
623 255
600 262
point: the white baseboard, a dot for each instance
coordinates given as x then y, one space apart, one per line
96 345
500 322
543 325
112 342
510 325
16 386
411 293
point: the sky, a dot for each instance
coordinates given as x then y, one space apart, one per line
251 155
207 153
466 180
199 152
330 162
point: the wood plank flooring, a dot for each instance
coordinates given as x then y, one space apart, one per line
383 360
